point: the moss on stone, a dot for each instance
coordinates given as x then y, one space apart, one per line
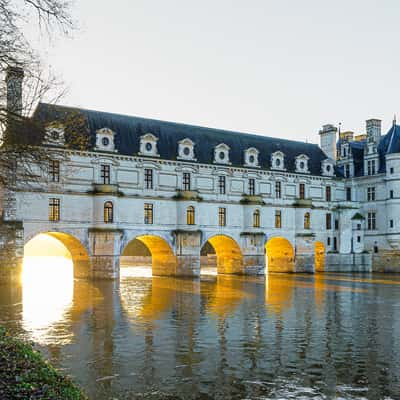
24 374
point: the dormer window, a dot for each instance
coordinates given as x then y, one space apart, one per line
105 139
186 150
55 135
302 163
327 167
148 145
277 160
221 154
251 157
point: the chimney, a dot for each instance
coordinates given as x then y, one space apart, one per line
327 136
373 130
14 78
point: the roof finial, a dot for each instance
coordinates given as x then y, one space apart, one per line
394 120
340 128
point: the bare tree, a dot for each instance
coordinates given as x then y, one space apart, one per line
21 135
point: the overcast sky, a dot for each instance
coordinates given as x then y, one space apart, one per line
273 67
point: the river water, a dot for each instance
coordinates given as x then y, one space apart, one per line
219 337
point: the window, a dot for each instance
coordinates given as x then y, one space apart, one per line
391 170
328 218
278 190
328 241
347 170
148 178
391 193
256 219
328 193
148 213
371 167
391 224
348 194
335 243
108 212
105 174
54 170
186 181
54 209
222 184
251 187
336 224
371 221
358 239
359 227
302 191
371 193
278 219
190 215
222 216
307 220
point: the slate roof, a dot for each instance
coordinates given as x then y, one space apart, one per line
389 143
128 130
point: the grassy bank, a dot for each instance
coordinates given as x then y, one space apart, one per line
25 375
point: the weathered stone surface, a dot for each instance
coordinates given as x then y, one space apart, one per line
336 262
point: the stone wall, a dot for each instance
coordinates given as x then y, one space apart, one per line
11 250
387 261
335 262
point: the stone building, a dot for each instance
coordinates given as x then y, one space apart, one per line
183 195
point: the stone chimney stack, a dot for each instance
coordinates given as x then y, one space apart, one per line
373 130
327 136
14 78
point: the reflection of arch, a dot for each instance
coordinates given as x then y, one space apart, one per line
279 255
79 254
163 259
229 255
319 256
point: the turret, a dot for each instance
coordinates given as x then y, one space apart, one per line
327 137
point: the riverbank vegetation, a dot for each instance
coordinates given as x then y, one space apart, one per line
24 374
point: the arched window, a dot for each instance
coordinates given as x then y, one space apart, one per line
108 212
190 217
307 220
256 219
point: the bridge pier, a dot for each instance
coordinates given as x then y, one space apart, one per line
104 246
187 245
304 260
253 250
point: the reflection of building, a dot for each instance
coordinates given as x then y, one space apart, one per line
176 187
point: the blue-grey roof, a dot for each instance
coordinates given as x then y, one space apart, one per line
128 130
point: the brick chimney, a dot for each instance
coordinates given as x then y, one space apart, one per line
14 78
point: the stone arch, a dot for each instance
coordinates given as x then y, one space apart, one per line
319 257
79 254
163 259
279 255
228 253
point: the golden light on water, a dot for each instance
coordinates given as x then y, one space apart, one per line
47 285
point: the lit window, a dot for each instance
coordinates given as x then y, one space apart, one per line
278 189
105 174
302 191
278 219
108 212
371 221
54 209
148 178
222 184
148 213
307 220
186 181
222 216
256 219
54 170
190 215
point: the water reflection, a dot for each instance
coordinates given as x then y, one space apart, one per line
230 337
47 292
